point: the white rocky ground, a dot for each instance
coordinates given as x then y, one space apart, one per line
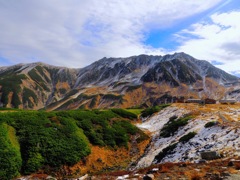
223 137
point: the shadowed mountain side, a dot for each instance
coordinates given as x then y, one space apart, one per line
112 82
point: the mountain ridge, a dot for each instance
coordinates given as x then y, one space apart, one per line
111 82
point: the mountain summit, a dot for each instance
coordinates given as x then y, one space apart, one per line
112 82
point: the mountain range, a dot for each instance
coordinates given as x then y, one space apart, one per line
114 82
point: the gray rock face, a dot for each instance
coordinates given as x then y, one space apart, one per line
37 85
210 155
174 69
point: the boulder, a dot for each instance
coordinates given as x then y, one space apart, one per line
148 177
210 155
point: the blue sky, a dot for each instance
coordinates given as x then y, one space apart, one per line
75 33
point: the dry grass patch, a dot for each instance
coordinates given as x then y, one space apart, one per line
103 159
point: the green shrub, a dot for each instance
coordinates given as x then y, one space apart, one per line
165 152
112 97
27 94
210 124
93 102
46 142
101 130
124 113
149 111
132 88
136 111
62 91
40 70
10 157
172 126
187 137
35 76
34 163
15 100
56 139
11 84
173 118
38 79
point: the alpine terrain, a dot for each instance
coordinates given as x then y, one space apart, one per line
115 82
141 117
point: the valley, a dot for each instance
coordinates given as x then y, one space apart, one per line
215 127
170 116
115 83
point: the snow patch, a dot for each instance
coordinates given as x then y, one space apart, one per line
221 138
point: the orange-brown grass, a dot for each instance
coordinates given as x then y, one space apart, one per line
55 120
132 98
61 85
102 159
195 175
209 110
186 170
39 176
232 170
142 145
237 165
96 90
165 169
228 117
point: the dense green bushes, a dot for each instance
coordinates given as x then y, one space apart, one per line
172 126
168 150
55 139
11 84
10 156
101 129
187 137
37 78
46 139
210 124
27 94
149 111
124 113
132 88
112 97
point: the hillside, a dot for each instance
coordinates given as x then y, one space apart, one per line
33 86
190 129
114 82
180 135
68 143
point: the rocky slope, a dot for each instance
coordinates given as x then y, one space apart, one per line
34 86
183 160
112 82
221 135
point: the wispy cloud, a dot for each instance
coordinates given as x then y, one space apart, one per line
75 33
215 39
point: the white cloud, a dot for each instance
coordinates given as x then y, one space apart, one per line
75 33
218 39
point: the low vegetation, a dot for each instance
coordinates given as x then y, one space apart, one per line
27 94
11 84
38 79
10 155
132 88
136 111
32 140
125 113
172 126
149 111
165 152
210 124
187 137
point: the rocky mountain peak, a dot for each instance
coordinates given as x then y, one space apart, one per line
154 77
